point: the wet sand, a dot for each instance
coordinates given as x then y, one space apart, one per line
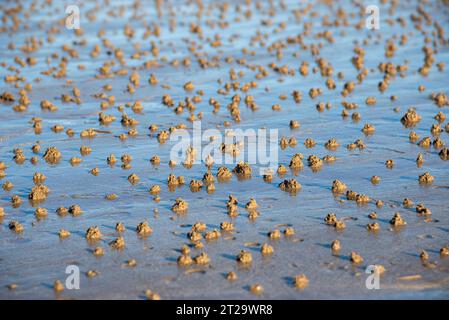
37 257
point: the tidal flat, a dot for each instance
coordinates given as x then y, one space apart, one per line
88 180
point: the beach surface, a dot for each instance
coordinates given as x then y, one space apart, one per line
36 257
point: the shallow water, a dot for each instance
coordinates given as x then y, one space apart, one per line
37 257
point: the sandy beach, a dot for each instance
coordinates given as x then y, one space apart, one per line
361 136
